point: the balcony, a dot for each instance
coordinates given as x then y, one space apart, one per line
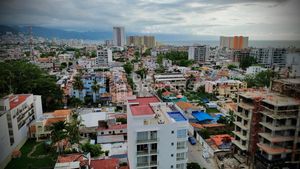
141 153
240 135
277 138
146 164
240 125
151 140
239 145
276 127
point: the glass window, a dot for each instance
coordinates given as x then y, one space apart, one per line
182 133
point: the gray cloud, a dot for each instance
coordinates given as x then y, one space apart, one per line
211 17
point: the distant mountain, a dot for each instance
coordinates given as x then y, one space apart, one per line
4 29
90 35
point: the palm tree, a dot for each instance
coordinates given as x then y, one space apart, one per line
95 89
73 128
58 134
78 85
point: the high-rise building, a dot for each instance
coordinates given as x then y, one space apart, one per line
157 134
17 112
270 57
104 56
267 128
234 42
199 53
119 36
148 41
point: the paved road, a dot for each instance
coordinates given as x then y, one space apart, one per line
195 155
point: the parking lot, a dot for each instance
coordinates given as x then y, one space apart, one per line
195 155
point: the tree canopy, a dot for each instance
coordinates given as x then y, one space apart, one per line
179 58
128 67
22 77
261 79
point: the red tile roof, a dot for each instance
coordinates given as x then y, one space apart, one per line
141 110
218 139
143 107
69 158
112 163
114 127
16 100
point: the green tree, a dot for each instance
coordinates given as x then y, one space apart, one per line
245 62
193 166
128 67
94 149
95 89
141 72
73 128
21 77
78 85
63 65
58 134
231 66
122 120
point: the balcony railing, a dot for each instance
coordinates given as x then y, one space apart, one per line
142 164
142 152
147 140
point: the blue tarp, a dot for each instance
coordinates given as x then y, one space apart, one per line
202 116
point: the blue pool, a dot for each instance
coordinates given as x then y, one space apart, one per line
177 116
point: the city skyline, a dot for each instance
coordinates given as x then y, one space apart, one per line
260 20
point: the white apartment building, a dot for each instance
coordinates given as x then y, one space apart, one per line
175 80
157 135
17 112
104 57
199 53
270 57
254 69
119 36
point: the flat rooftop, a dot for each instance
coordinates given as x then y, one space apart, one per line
141 105
272 98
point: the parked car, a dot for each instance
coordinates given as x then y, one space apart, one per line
192 140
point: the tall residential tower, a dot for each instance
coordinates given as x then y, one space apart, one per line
119 36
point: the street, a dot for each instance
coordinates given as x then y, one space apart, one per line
195 155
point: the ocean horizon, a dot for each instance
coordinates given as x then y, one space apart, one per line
252 43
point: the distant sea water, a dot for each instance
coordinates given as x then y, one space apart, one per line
252 43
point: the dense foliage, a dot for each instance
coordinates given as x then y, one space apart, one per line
245 62
179 58
94 149
22 77
261 79
193 166
128 67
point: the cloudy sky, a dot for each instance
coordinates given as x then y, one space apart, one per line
259 19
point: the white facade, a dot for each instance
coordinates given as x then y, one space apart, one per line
119 36
254 69
16 113
198 53
156 140
104 57
270 56
176 80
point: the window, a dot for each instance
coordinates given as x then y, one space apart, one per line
142 160
171 166
182 133
180 166
181 145
172 131
180 156
172 155
172 144
142 135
